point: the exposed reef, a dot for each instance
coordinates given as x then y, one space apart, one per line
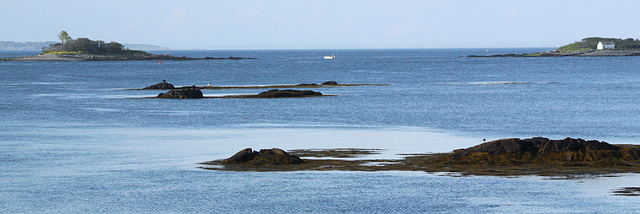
195 93
273 156
567 158
183 93
327 84
95 57
162 85
276 93
589 53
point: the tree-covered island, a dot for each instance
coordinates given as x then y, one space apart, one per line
590 46
67 45
84 49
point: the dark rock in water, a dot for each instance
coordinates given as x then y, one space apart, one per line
273 156
184 93
307 84
329 83
539 145
242 156
162 85
275 93
543 150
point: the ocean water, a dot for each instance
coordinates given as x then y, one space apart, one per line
73 141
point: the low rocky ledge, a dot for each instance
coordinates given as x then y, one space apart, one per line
276 93
184 93
93 57
563 159
162 85
195 93
273 156
327 84
590 53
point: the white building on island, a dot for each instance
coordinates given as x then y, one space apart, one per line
606 45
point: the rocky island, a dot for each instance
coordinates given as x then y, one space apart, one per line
84 49
327 84
587 47
195 93
566 158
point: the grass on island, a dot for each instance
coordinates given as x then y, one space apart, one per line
590 43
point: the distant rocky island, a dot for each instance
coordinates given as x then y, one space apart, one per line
38 46
587 47
84 49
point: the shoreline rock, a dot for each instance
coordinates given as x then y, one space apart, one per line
93 57
277 93
162 85
562 159
273 156
590 53
184 93
328 84
544 151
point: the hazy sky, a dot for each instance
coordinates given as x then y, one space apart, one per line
322 24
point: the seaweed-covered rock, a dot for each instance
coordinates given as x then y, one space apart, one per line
184 93
275 93
329 83
542 150
273 156
162 85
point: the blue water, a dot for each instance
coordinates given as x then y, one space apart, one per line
72 141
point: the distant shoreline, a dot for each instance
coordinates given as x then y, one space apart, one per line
93 57
589 53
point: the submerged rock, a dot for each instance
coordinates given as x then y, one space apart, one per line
184 93
273 156
162 85
275 93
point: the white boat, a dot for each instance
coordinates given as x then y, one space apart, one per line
330 57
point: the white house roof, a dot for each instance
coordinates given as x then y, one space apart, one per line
607 43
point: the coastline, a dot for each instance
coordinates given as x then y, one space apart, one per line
93 57
589 53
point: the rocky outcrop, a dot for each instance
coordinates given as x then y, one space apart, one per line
162 85
588 53
95 57
329 83
276 93
543 150
273 156
184 93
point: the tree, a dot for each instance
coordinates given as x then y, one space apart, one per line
64 37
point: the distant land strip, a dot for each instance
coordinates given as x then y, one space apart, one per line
95 57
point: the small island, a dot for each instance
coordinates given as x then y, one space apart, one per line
587 47
328 84
195 93
84 49
567 158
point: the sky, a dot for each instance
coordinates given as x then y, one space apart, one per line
322 24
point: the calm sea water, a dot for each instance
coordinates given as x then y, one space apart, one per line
71 141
